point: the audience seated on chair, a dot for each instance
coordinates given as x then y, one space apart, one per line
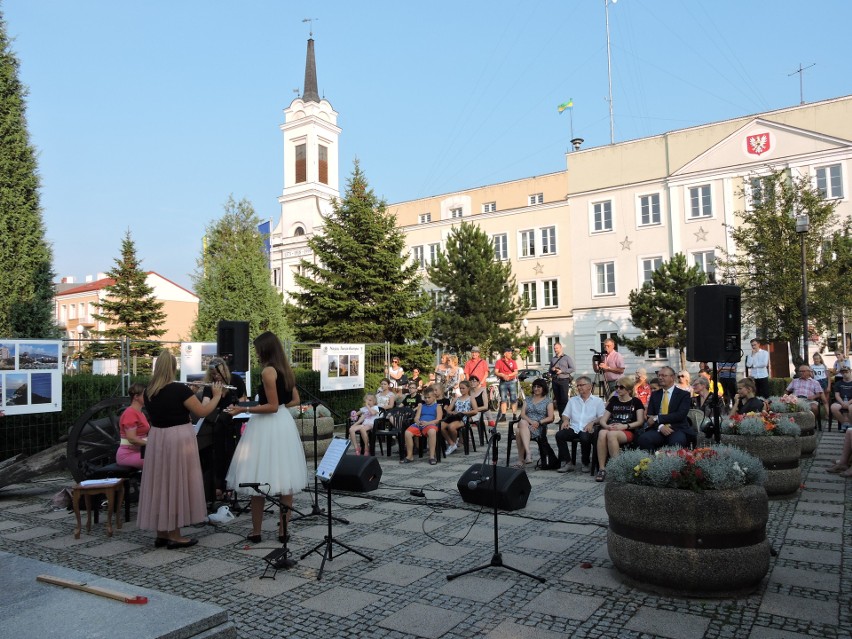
536 413
581 414
807 387
426 421
623 417
842 392
134 428
364 424
668 408
459 415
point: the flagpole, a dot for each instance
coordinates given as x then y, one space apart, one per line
609 72
571 114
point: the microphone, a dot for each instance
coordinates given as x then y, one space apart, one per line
249 485
417 493
472 485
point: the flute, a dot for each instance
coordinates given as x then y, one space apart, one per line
208 384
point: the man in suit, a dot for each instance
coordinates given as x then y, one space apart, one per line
668 410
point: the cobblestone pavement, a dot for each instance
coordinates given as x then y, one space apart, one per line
415 543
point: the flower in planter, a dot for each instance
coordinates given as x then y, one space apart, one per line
765 423
718 467
789 404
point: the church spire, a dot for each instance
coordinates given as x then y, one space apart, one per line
310 94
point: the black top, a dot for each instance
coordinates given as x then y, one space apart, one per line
166 408
285 396
229 396
624 412
754 405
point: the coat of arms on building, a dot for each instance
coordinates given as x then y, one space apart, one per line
757 144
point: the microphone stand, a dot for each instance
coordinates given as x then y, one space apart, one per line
497 557
279 558
316 511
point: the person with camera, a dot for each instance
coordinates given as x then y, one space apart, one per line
612 366
561 371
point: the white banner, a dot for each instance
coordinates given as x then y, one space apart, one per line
30 376
341 366
194 358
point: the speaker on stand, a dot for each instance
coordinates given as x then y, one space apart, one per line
232 344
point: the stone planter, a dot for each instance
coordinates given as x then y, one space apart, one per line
695 543
805 420
780 457
325 431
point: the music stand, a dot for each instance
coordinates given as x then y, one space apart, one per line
497 557
279 558
336 450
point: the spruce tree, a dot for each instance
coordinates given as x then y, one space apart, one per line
478 302
232 280
658 308
766 261
130 309
360 286
26 288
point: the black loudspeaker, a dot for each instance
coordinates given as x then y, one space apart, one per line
232 344
357 474
513 487
713 323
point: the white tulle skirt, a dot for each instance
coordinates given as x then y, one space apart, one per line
270 452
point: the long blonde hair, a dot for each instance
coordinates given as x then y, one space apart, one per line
217 364
164 372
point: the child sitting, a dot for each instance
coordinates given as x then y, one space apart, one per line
461 410
426 422
411 398
364 424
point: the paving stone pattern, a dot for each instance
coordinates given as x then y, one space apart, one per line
403 592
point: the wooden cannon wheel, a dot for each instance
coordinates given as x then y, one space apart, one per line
94 437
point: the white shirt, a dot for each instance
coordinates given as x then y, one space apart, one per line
758 364
580 412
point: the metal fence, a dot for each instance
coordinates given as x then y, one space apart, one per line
96 370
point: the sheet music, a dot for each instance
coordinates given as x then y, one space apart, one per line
328 464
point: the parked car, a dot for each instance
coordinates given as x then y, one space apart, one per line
530 374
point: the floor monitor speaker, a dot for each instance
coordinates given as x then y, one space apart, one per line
513 486
356 474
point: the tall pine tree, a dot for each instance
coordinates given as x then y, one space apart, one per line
478 303
26 288
659 308
130 309
232 281
360 287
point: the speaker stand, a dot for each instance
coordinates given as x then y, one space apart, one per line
497 557
329 540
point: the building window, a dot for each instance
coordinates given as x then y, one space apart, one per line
501 247
437 296
603 337
425 218
699 202
829 181
605 278
551 294
434 249
456 212
63 313
602 212
72 311
417 254
489 207
528 294
276 277
536 198
323 164
301 163
299 231
649 209
761 189
527 244
658 353
706 261
550 342
649 265
548 240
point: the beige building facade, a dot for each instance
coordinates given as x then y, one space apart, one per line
581 239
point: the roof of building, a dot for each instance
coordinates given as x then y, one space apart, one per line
311 92
97 285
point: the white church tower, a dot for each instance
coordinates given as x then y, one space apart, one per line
311 178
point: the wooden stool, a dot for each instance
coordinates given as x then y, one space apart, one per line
115 495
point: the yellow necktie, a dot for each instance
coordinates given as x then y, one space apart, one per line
664 409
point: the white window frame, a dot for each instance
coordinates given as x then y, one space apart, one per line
434 249
425 218
639 223
457 212
535 198
524 238
703 253
504 249
593 213
645 258
418 256
688 208
489 207
594 272
826 170
548 244
529 291
657 354
548 288
436 295
550 341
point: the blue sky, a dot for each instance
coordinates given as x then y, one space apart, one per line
147 115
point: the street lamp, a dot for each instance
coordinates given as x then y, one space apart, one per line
803 224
